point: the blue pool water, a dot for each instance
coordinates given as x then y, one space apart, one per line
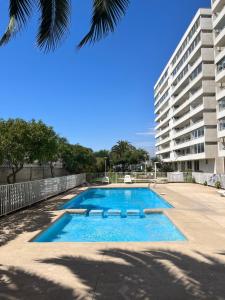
117 198
153 227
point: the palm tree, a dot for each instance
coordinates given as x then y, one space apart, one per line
55 16
121 148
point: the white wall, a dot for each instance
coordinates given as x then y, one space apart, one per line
207 168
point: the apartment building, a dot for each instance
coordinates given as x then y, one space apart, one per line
218 17
185 100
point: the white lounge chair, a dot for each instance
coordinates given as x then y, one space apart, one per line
105 180
127 179
221 192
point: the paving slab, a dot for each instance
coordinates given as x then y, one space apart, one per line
194 269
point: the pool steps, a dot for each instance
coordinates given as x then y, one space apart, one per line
113 212
94 213
116 212
133 212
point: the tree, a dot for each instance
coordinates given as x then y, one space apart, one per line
24 142
78 159
102 153
102 158
14 145
55 16
162 166
124 154
45 144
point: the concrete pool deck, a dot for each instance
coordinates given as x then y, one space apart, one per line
194 269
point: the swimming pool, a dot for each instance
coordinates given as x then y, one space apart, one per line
154 227
117 198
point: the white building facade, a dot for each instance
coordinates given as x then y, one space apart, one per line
186 109
218 17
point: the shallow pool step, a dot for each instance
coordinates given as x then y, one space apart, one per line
113 212
96 212
133 212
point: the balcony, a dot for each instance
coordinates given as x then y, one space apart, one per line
217 5
157 109
163 122
162 113
220 54
207 71
163 141
220 76
219 20
188 143
192 156
220 37
220 93
189 115
191 99
189 129
221 133
161 132
187 46
162 151
161 98
186 76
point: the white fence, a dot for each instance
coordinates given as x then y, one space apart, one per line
198 177
175 177
210 178
19 195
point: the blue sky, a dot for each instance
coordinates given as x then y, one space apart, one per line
101 94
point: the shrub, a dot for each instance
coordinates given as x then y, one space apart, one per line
193 180
205 183
218 185
188 177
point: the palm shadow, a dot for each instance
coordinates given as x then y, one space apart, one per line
18 284
159 274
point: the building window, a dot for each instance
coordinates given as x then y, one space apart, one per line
186 41
199 148
221 124
221 104
196 72
187 54
189 165
196 165
198 133
182 166
221 65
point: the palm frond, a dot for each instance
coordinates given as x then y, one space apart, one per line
54 22
19 11
106 15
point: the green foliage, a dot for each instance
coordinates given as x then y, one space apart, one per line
44 142
205 183
102 156
193 180
123 154
25 142
78 159
218 185
188 177
162 166
54 17
101 153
